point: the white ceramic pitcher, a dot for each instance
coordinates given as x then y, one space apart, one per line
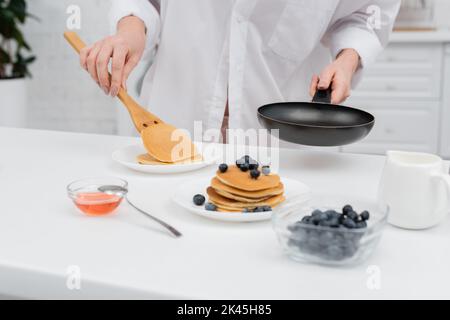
416 187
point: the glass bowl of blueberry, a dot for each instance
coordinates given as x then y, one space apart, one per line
331 230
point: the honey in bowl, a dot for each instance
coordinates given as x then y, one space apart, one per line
88 197
97 203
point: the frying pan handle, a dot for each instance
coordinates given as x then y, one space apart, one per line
322 96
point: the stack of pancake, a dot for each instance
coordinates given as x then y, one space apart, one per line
236 191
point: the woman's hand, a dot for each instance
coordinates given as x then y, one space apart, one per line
125 49
339 75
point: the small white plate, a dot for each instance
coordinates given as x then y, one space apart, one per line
127 157
295 192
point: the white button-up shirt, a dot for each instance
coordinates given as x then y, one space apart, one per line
251 52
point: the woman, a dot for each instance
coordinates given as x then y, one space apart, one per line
214 58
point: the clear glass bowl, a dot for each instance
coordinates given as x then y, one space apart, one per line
90 200
326 245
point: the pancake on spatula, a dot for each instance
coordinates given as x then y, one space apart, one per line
168 144
236 178
217 199
217 185
146 159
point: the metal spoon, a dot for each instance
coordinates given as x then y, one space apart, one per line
122 192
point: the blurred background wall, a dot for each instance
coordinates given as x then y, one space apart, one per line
61 95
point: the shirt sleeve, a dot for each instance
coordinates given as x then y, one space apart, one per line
146 10
366 30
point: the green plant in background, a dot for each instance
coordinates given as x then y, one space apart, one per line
13 62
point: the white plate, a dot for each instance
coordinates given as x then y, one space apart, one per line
127 157
295 192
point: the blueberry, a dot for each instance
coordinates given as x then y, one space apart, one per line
365 215
210 207
331 214
334 252
296 244
199 200
293 243
239 163
316 212
324 223
361 225
267 208
340 234
323 216
244 167
314 244
255 174
266 170
223 167
347 209
352 215
349 248
298 229
349 223
301 233
306 220
253 164
259 209
334 222
316 219
349 236
326 237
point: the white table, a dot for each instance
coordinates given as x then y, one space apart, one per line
125 256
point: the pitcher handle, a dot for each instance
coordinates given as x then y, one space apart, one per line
445 178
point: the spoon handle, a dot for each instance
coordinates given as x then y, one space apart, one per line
174 231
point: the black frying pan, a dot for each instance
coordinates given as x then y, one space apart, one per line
317 123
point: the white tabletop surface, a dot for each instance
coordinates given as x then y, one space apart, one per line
125 256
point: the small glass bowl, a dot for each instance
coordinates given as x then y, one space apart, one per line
90 200
326 245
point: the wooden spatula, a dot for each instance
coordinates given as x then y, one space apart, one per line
162 141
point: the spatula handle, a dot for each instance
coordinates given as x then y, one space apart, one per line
141 117
74 40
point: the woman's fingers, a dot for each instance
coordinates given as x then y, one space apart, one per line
83 57
102 64
91 61
96 60
313 86
326 78
341 91
123 50
117 68
129 66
